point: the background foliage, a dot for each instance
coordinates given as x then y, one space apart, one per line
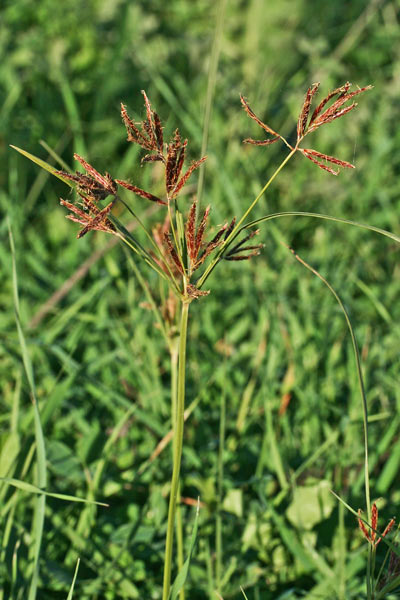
269 339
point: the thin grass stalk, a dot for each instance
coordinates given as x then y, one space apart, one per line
237 227
383 232
342 547
149 237
220 479
152 265
178 443
371 558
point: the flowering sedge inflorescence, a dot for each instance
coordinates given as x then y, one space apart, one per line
371 535
177 256
181 248
306 124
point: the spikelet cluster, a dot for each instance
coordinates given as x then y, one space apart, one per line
328 110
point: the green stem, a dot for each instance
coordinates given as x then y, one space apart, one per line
218 528
178 443
174 353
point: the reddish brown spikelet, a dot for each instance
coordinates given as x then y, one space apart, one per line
190 232
152 158
171 174
305 111
332 159
105 181
134 135
340 90
242 256
260 142
362 526
201 229
140 192
331 116
239 245
186 176
334 109
320 165
388 527
211 246
77 211
253 116
100 222
88 185
233 254
93 219
230 228
179 161
159 132
159 232
149 125
371 536
76 178
172 252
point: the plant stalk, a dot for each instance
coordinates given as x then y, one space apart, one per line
174 354
220 483
178 443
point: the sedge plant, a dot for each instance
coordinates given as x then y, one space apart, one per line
184 254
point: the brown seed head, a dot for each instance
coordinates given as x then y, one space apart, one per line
371 535
305 111
320 116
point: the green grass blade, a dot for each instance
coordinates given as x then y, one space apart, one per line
71 591
28 487
242 590
359 376
38 522
43 164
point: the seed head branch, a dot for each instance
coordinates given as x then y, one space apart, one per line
306 125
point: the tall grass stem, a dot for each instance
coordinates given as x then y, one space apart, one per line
174 355
220 479
178 443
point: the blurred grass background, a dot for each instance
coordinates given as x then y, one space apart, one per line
270 339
